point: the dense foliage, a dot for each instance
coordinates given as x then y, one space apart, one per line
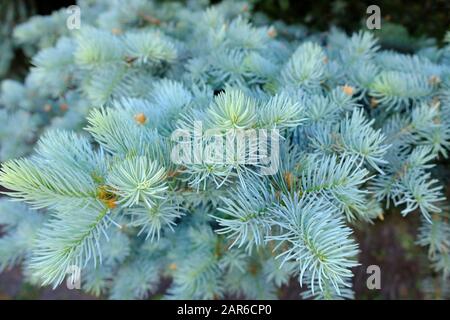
351 130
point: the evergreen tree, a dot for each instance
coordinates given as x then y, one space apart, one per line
352 129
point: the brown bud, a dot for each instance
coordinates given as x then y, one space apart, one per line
47 108
272 32
63 107
116 31
140 118
173 266
130 60
434 80
288 177
111 203
348 90
373 103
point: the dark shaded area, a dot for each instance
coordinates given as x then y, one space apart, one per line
389 243
12 286
427 17
47 7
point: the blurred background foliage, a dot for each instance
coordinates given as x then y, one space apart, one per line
405 19
12 13
406 25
